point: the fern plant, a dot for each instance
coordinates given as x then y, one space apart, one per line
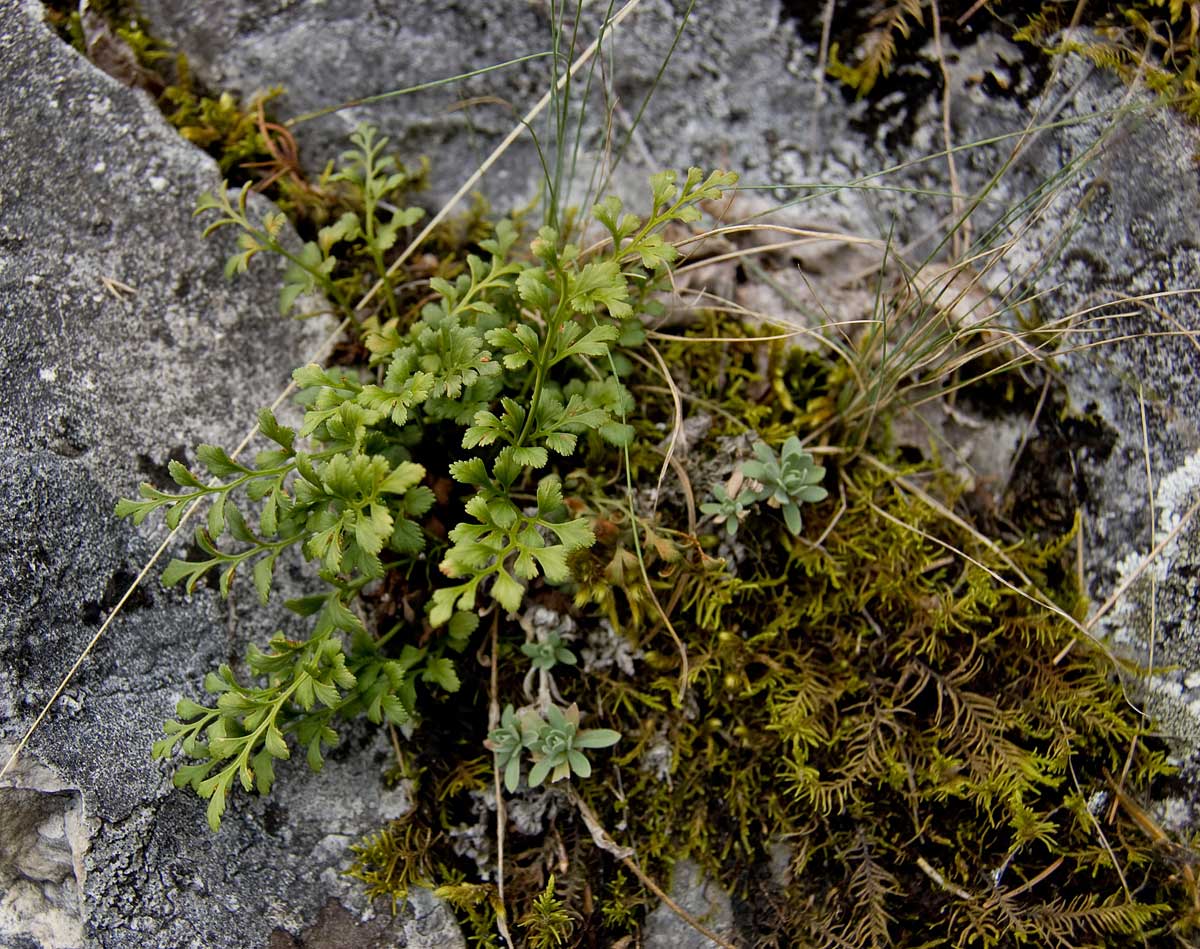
486 385
370 183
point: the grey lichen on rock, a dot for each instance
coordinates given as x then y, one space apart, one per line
1161 605
1130 267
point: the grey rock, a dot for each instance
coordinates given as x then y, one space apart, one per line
738 89
324 54
43 841
1130 268
702 899
101 385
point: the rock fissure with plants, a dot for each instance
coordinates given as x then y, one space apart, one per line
781 630
900 713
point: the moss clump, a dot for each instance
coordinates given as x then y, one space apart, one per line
1154 40
945 760
900 716
396 858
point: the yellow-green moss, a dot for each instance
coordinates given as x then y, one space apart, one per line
1156 41
947 761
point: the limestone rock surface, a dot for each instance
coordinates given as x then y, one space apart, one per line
121 345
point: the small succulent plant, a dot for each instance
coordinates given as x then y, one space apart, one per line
506 743
554 742
787 480
556 749
728 510
549 652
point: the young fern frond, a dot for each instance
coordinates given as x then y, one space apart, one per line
307 685
246 728
370 182
310 268
373 177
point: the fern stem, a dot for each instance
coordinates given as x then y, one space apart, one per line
544 359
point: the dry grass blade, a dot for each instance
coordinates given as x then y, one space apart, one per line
1101 836
808 234
1030 883
420 87
501 812
1152 526
962 233
766 338
823 52
604 841
927 868
676 422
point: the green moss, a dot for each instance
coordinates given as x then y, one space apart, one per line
396 858
1156 41
887 708
63 18
547 923
948 762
